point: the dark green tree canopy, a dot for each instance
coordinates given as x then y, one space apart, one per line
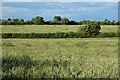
72 22
38 20
57 18
9 19
65 21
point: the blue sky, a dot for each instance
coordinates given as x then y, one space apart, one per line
72 10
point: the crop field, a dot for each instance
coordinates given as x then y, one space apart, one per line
51 28
60 58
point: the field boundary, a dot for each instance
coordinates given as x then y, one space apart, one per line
58 35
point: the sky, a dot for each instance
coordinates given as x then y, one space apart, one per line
72 10
60 0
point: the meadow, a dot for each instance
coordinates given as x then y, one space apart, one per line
51 28
60 58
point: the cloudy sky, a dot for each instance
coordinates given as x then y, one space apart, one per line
60 0
72 10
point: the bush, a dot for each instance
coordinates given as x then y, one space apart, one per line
110 34
91 29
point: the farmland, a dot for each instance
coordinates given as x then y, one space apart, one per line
59 40
51 28
59 58
69 58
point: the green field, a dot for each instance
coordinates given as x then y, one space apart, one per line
51 28
69 58
59 58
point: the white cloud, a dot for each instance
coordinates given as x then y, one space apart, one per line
82 9
60 0
12 11
85 8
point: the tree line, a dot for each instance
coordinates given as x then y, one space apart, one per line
57 20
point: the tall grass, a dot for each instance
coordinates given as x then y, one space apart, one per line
60 58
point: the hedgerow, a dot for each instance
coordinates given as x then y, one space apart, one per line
57 35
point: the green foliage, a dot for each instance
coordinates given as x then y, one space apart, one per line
65 21
57 18
90 29
56 21
38 20
110 34
72 22
57 35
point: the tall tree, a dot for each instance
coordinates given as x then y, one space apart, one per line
21 21
113 22
9 19
16 21
106 22
56 20
38 20
72 22
65 21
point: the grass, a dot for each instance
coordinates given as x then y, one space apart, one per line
109 28
69 58
59 58
39 28
51 28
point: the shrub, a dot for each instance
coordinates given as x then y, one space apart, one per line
90 29
110 34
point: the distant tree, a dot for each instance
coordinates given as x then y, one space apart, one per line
48 22
72 22
80 23
8 22
38 20
118 23
106 22
65 21
56 20
84 22
29 22
12 22
0 21
9 19
21 21
4 22
113 22
16 21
